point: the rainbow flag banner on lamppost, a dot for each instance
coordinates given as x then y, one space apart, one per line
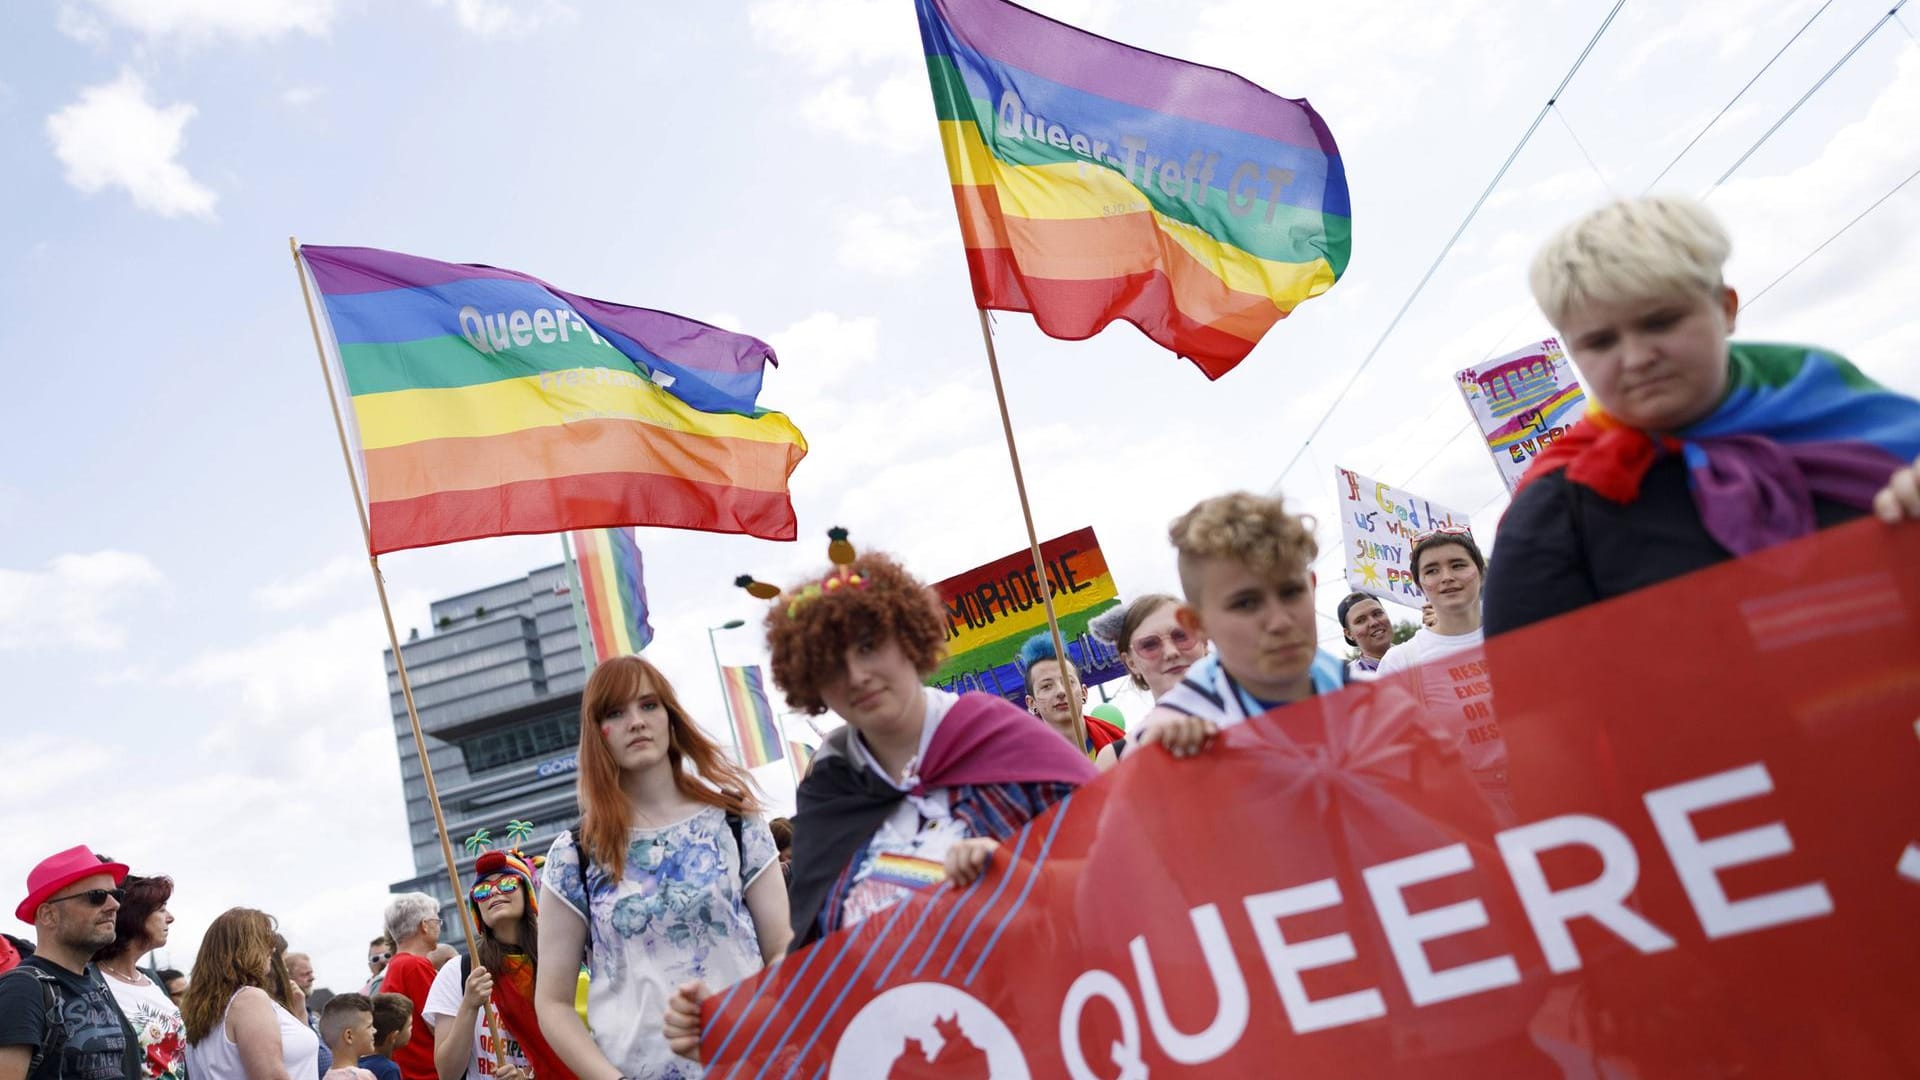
610 592
754 726
1096 181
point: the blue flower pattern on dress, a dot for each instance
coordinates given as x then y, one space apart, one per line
677 912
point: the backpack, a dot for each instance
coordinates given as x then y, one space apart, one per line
55 1039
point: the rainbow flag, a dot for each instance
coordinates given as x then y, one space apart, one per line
754 728
1096 181
609 592
487 403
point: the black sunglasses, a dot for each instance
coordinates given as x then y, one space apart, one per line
93 897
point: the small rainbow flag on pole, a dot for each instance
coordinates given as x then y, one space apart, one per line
486 402
799 758
609 592
1096 181
753 724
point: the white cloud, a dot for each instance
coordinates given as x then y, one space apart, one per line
896 114
499 18
247 20
894 238
81 25
301 96
284 594
115 137
830 34
78 600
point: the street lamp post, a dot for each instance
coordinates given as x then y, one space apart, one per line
733 730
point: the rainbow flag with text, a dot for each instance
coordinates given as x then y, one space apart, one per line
754 727
488 403
1096 181
610 592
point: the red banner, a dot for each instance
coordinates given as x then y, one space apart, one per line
1700 858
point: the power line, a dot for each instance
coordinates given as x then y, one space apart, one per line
1823 244
1448 248
1788 115
1730 101
1604 182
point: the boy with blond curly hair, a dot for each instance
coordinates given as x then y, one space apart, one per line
1244 564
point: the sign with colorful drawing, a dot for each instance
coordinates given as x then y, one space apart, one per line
1522 401
993 609
1378 525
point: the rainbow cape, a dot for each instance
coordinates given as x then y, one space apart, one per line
486 403
1096 181
1796 424
609 593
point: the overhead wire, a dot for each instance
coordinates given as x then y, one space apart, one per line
1447 248
1735 98
1755 298
1814 89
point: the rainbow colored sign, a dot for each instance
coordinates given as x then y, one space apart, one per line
993 609
1523 402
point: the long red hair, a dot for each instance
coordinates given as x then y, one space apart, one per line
606 817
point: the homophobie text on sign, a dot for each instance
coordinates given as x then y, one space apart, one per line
1378 525
1708 868
993 609
1523 402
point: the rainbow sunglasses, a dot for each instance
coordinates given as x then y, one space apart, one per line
506 886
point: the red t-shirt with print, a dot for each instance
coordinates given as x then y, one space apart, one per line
413 976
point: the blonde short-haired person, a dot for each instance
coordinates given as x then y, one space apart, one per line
1694 449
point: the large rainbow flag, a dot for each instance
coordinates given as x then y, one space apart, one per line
610 592
486 403
1096 181
754 726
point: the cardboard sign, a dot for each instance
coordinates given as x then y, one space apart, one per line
1694 861
1378 525
992 610
1522 402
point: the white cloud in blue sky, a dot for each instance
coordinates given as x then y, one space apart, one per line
187 632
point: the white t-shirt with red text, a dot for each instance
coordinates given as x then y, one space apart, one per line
443 1003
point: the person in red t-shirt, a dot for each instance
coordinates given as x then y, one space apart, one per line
413 921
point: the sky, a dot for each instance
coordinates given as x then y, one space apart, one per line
190 644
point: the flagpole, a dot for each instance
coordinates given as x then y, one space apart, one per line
393 639
1033 538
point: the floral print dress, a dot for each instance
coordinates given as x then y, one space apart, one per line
676 911
156 1019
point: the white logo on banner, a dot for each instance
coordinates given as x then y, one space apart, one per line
927 1029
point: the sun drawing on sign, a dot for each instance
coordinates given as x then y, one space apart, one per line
1368 574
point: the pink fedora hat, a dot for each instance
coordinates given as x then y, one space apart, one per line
56 872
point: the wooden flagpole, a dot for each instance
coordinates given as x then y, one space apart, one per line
1033 538
393 638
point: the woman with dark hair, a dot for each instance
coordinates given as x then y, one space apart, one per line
501 973
662 880
236 1027
139 928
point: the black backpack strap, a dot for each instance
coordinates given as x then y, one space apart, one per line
737 826
54 1039
1119 747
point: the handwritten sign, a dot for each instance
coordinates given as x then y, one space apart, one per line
1378 525
1523 402
993 609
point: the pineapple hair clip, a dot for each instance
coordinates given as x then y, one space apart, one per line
839 552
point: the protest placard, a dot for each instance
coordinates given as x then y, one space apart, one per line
1522 402
993 609
1378 525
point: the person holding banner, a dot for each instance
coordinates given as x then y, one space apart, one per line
921 785
664 879
1244 566
1157 651
1694 449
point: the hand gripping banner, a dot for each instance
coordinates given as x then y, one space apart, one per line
1700 856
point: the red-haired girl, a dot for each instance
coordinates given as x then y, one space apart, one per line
663 880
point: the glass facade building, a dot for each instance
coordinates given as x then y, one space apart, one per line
497 684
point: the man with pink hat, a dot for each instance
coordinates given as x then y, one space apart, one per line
58 1020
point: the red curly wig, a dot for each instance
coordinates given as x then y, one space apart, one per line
809 635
